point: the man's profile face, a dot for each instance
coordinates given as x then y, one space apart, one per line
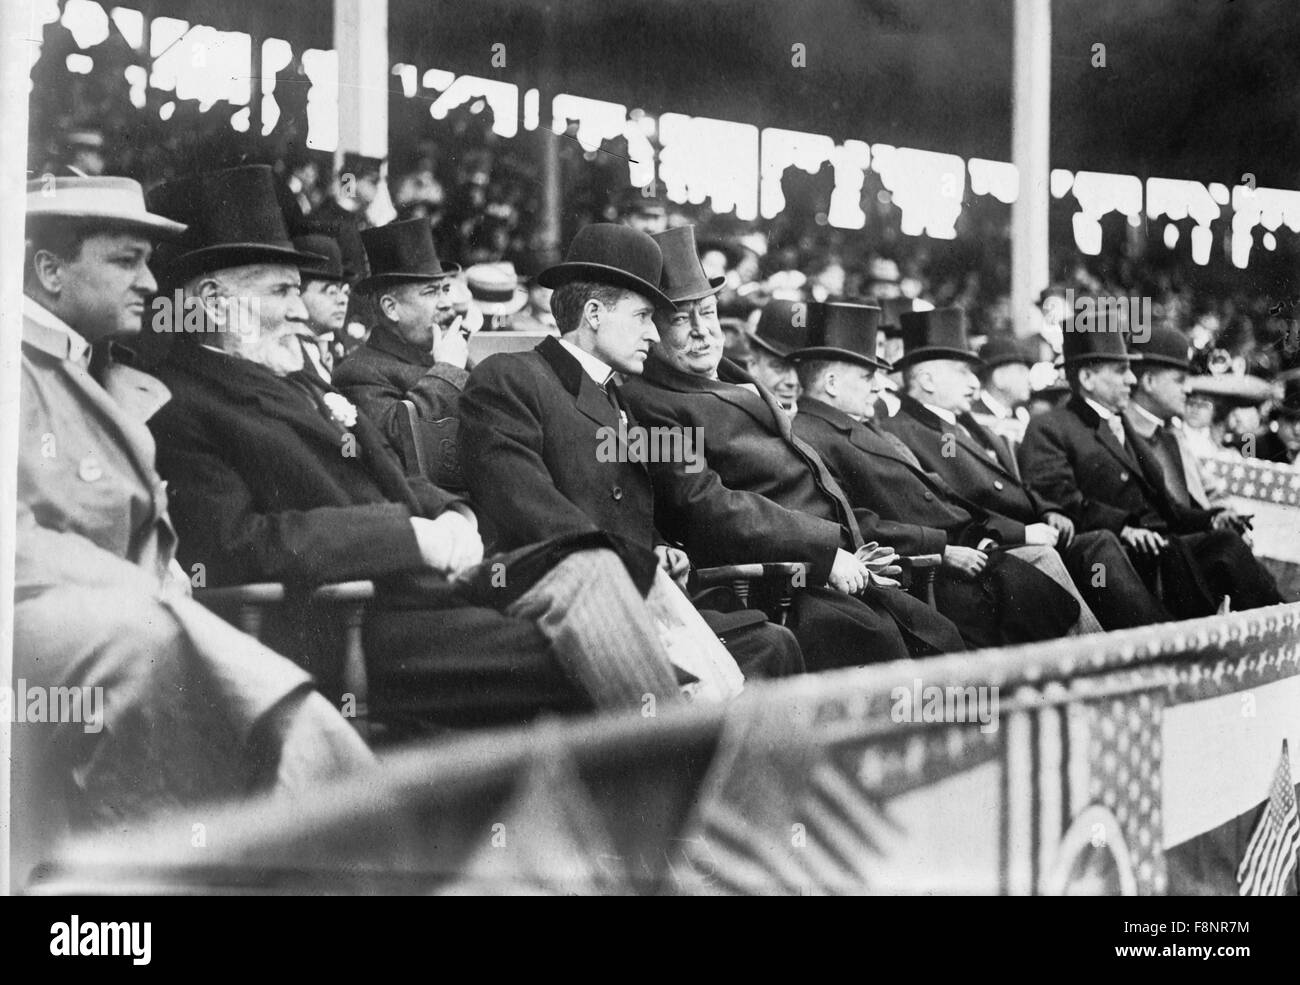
691 339
1109 383
420 308
103 290
1167 391
1012 379
265 315
625 332
858 388
950 384
775 374
327 305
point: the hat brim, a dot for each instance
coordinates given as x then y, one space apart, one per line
937 352
388 280
1159 360
1093 358
513 306
226 255
1008 361
716 284
775 348
832 354
155 225
1246 389
568 272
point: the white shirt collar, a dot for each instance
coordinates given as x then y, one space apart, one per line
941 413
997 406
1102 412
1143 421
599 371
66 340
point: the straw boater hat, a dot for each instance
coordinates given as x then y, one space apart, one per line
845 333
234 219
495 288
116 202
620 256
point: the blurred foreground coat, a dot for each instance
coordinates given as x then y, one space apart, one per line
192 709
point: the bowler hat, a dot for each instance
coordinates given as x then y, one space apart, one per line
620 256
845 333
1005 351
683 278
234 219
937 334
1163 347
326 246
104 201
402 253
785 326
1104 342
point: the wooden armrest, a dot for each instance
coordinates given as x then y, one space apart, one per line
345 591
921 561
256 593
787 575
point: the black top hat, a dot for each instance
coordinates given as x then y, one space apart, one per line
234 219
1163 347
621 256
891 309
326 246
402 253
937 334
846 333
786 326
1104 343
1004 351
683 278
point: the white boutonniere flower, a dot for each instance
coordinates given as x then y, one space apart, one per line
341 409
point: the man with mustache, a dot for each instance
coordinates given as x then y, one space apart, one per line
762 494
273 483
416 351
534 424
193 710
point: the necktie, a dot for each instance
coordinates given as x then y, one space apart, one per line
1116 428
610 389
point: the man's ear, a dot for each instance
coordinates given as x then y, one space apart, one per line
831 383
387 304
208 291
591 312
48 269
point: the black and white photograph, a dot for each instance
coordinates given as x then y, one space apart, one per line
651 447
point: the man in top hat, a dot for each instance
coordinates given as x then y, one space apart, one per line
190 709
889 350
1004 388
1154 416
1083 458
416 350
781 326
756 492
273 482
325 293
537 427
993 597
934 421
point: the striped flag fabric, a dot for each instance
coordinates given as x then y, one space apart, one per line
1271 855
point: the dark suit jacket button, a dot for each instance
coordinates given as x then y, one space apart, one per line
617 492
1123 477
929 495
997 483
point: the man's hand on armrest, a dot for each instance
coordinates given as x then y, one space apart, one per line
848 574
449 544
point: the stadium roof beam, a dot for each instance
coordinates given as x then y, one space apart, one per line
1031 130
